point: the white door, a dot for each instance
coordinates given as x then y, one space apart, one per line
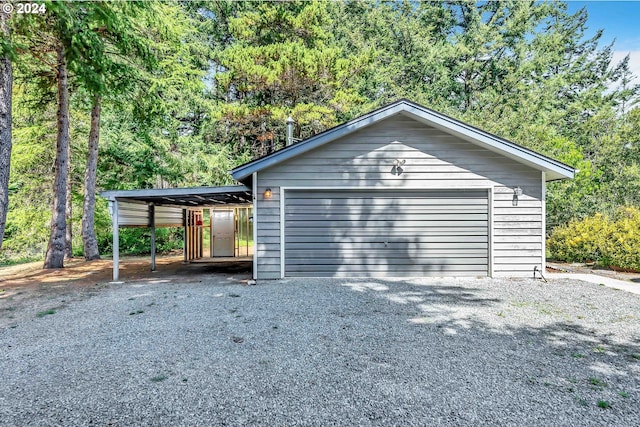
223 232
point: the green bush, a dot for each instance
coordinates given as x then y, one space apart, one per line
610 242
624 244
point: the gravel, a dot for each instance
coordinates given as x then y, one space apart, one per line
328 352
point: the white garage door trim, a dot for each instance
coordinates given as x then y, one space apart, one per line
426 188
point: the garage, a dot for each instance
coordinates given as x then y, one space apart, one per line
403 191
382 233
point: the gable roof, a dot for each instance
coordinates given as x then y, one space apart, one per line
554 169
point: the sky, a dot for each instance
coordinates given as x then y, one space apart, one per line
620 21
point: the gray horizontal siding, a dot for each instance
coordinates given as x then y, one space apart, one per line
267 247
133 214
517 245
433 159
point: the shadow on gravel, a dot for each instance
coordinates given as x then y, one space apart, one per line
196 272
596 356
213 268
336 352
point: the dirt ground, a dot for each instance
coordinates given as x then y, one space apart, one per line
26 290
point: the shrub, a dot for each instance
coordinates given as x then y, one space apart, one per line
624 243
607 241
580 241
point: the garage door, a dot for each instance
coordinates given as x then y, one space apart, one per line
386 233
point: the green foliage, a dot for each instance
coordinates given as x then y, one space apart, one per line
45 313
283 62
607 241
624 245
135 241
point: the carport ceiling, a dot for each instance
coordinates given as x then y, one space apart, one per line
188 197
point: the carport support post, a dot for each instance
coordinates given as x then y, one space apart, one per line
211 233
116 239
152 225
184 234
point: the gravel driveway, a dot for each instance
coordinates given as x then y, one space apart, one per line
328 352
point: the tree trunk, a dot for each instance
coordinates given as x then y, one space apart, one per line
68 211
6 82
56 246
89 241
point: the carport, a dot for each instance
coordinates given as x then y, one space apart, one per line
175 207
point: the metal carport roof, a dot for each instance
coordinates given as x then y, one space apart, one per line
186 196
183 198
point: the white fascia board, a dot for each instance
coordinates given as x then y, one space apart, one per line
553 169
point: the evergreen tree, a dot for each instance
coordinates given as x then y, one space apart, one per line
282 62
6 85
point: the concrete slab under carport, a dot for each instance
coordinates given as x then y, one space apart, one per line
179 198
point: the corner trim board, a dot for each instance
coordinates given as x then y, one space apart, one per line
282 231
490 193
254 190
543 202
374 188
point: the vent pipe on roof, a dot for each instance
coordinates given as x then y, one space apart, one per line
290 123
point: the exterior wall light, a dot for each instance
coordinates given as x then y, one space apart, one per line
267 193
397 167
517 192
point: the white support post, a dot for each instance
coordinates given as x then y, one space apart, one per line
254 190
116 239
246 232
152 226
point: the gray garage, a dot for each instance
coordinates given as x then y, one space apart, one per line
401 191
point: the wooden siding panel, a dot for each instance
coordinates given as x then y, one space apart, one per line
433 159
